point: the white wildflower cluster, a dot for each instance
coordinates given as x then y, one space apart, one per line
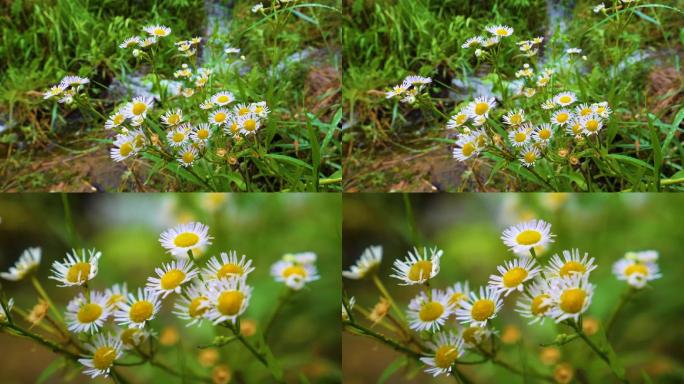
409 89
67 89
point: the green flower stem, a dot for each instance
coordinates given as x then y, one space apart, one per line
386 294
149 358
5 307
18 331
534 256
194 262
45 297
624 299
235 328
71 232
361 330
602 354
282 300
504 364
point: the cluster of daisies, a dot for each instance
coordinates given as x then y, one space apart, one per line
409 89
526 139
187 138
494 35
67 89
559 290
616 6
260 8
140 43
218 292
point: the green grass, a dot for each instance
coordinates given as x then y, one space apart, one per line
385 41
47 39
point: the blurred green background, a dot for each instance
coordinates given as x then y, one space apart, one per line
647 335
305 337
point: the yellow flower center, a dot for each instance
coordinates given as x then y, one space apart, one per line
89 313
78 273
220 117
125 149
565 99
186 240
139 141
233 269
636 268
250 124
222 99
243 111
188 157
502 32
576 129
545 134
461 118
421 270
234 128
195 309
103 357
139 108
482 309
178 137
514 276
520 137
481 108
259 109
203 134
456 298
296 270
592 125
128 336
468 149
572 267
173 119
115 299
528 237
599 110
159 32
445 356
431 311
516 119
230 302
585 111
172 279
572 300
141 311
538 306
530 157
562 117
118 119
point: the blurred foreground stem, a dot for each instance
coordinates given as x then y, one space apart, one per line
624 299
45 297
283 298
235 328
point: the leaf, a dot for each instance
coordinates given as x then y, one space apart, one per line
647 17
646 377
289 160
631 160
673 129
392 369
273 365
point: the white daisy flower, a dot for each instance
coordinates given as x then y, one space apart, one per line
186 157
76 269
258 7
466 147
116 119
548 104
602 109
514 274
116 295
249 124
185 237
472 42
178 136
136 312
138 137
55 90
148 41
520 136
514 117
132 337
574 127
124 147
417 80
171 277
228 266
228 299
636 273
524 236
529 92
87 315
172 117
591 124
572 51
529 156
130 42
138 107
105 350
457 120
429 313
219 116
477 310
584 110
232 127
241 110
543 134
260 109
561 117
599 8
480 107
489 42
68 81
3 315
458 293
368 263
230 50
500 30
345 314
201 133
535 302
447 348
300 258
417 267
157 30
192 305
564 99
643 256
294 275
570 264
223 98
571 296
474 336
28 262
207 104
